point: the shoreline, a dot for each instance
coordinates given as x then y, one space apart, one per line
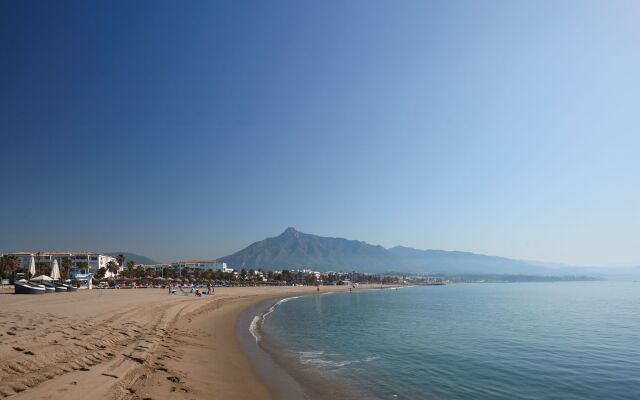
131 344
277 368
279 382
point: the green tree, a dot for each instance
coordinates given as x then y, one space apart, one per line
113 267
66 267
43 268
120 260
101 272
9 264
199 274
130 267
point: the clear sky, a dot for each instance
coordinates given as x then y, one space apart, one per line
191 129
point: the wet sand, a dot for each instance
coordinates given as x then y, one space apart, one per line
130 344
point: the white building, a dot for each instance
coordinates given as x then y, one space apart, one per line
94 261
200 264
193 265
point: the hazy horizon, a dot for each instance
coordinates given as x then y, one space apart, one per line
550 263
191 130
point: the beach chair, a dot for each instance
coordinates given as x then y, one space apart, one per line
183 292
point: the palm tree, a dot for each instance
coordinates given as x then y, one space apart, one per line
120 259
130 266
83 265
185 272
66 266
113 267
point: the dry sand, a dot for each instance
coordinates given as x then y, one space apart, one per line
129 344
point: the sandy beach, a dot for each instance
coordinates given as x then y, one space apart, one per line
129 344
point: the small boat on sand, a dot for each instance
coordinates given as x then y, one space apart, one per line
71 288
25 287
46 281
49 287
60 287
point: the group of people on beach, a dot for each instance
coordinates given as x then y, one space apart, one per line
210 290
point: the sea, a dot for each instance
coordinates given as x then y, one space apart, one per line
565 340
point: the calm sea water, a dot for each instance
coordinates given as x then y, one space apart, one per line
574 340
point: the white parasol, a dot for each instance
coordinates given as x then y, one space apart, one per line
32 266
55 271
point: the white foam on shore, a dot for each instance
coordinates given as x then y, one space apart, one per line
258 320
253 328
315 358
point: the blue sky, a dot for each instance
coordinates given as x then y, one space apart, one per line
191 129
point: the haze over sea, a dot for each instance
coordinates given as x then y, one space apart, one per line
570 340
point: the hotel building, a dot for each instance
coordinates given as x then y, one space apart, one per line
206 265
94 261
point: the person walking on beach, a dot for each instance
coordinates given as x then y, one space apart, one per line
209 288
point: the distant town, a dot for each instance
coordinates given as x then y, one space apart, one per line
89 268
86 269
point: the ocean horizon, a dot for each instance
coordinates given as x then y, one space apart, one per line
569 340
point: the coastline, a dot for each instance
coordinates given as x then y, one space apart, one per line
278 380
278 368
131 344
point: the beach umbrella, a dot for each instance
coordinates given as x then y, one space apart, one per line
42 278
32 267
55 271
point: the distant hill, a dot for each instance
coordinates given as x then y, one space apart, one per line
460 262
293 248
297 249
132 256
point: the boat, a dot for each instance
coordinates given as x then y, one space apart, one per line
60 287
71 288
25 287
55 275
49 287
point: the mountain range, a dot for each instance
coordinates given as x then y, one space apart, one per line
294 249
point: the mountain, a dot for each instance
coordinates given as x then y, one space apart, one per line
135 257
293 249
460 262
